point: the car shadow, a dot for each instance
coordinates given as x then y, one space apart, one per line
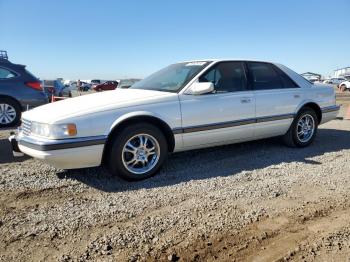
218 162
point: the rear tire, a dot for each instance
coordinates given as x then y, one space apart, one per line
303 130
10 112
137 152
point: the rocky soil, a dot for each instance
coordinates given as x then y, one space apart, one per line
257 201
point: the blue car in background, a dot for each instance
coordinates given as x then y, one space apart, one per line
55 88
19 91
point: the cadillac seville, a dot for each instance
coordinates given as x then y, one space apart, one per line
184 106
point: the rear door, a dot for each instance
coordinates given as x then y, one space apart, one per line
277 98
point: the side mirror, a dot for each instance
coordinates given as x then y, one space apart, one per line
200 88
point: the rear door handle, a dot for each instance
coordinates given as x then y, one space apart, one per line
245 100
296 96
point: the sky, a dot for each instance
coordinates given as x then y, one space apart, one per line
112 39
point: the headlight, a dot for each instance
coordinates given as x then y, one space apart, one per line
53 131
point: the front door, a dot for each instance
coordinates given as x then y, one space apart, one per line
225 116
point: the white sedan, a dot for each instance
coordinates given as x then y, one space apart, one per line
184 106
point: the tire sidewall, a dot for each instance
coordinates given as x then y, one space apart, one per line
115 162
17 108
295 127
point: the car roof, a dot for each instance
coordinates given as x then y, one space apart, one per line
225 60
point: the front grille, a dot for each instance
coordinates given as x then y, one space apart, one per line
26 127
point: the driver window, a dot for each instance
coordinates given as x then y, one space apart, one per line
226 77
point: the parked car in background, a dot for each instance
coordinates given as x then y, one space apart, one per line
95 82
19 91
84 86
126 83
313 80
334 80
55 88
108 85
184 106
343 86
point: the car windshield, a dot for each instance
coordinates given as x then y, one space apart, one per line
171 78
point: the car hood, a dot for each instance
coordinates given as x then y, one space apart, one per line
96 102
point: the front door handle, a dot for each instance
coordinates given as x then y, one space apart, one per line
245 100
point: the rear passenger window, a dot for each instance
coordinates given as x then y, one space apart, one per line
263 76
6 74
226 77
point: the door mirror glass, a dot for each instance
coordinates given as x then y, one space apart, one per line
198 88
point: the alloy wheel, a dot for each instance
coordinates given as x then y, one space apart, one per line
140 154
7 114
305 128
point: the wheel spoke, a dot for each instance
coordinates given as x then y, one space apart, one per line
11 111
133 148
145 141
307 121
143 162
8 120
132 162
129 150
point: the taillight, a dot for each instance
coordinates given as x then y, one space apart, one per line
34 85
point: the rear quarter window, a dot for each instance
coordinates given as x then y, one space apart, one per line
6 74
286 80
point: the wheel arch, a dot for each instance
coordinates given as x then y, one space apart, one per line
315 107
138 117
347 85
13 99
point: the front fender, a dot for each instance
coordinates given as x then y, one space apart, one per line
134 114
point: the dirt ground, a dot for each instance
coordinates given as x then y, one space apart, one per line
256 201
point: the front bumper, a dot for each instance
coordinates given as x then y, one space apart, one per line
64 153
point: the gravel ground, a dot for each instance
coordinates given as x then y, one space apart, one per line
256 201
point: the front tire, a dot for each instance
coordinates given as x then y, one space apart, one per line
10 112
303 130
137 152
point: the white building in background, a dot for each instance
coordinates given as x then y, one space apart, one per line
341 72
